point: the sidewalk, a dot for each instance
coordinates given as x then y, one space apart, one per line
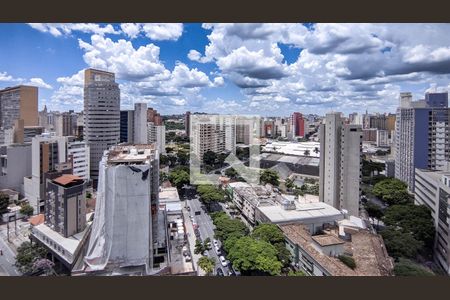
16 239
191 242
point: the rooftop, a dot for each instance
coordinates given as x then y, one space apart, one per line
326 240
131 154
292 148
303 212
367 250
168 194
68 180
291 159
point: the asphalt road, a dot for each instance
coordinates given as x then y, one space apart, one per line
7 260
206 228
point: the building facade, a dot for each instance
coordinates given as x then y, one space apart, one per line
78 154
18 103
340 163
140 123
421 136
126 126
157 134
126 223
65 204
101 115
432 189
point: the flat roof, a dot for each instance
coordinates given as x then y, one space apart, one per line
131 153
304 212
297 148
168 194
291 159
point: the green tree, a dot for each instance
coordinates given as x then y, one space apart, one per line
374 211
4 202
179 178
199 247
406 267
183 158
163 159
26 210
392 191
254 257
400 244
270 176
227 227
207 264
231 172
209 158
269 233
27 254
413 219
289 183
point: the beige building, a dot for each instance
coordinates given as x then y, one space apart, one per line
18 103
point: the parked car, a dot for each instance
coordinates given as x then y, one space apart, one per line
223 261
198 212
206 253
217 250
216 243
209 246
188 258
219 272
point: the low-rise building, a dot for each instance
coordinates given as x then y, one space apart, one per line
317 252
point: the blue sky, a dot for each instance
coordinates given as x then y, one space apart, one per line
266 69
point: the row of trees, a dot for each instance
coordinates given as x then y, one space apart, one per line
210 194
260 253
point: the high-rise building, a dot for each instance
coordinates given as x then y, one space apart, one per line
208 134
378 121
126 220
421 136
18 103
48 160
154 117
101 115
78 154
126 126
140 123
65 204
157 135
187 123
298 124
65 124
432 189
340 163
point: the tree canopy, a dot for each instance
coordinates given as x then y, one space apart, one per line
227 227
400 244
269 233
26 210
179 178
406 267
414 219
270 176
254 257
27 254
207 264
392 191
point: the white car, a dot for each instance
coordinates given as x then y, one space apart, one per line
206 253
216 243
223 261
217 250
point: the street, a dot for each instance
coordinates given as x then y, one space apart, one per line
206 228
7 260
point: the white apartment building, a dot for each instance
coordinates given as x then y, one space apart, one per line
208 134
432 189
157 134
78 151
340 163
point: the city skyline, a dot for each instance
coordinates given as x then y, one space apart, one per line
265 69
